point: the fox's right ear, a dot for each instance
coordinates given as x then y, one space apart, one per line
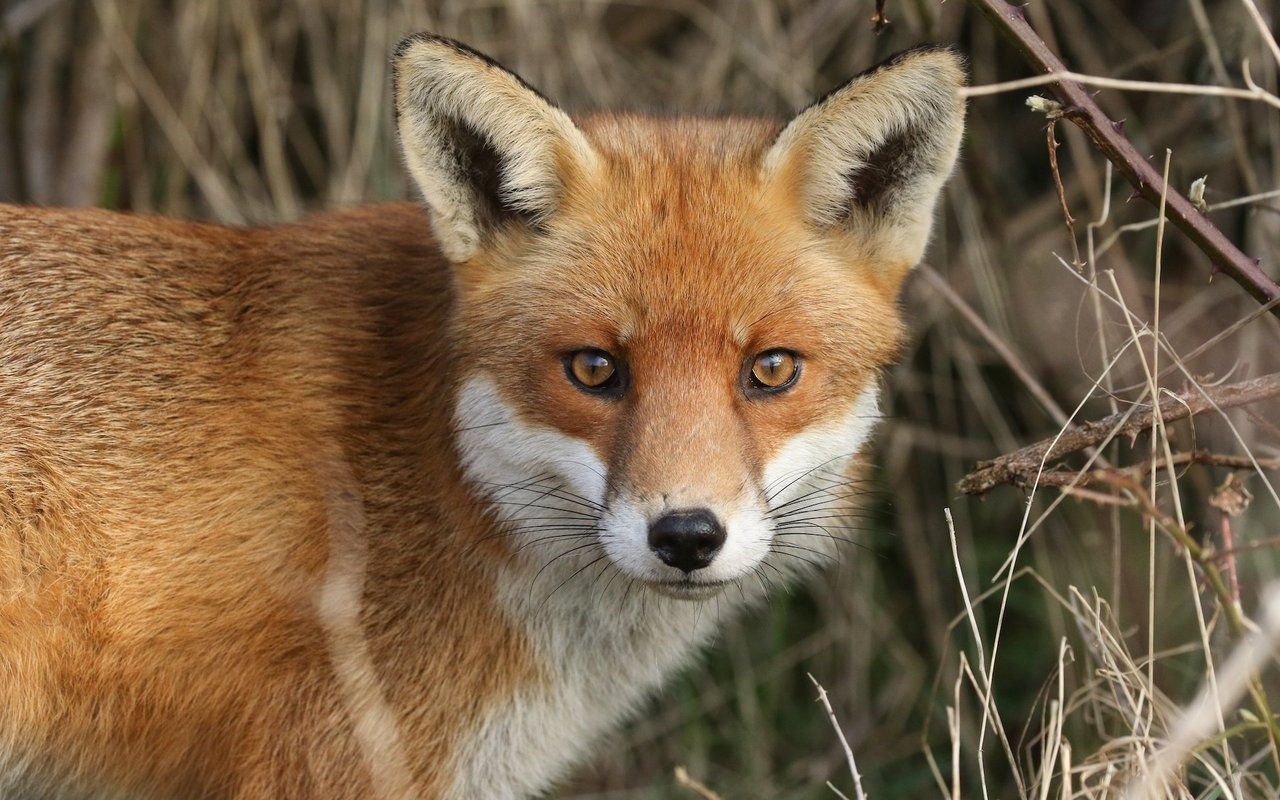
485 148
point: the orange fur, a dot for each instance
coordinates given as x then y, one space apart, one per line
177 404
245 551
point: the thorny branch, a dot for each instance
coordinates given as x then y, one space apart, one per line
1067 477
1021 466
1079 107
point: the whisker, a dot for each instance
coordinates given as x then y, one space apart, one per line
822 533
559 556
557 490
817 503
808 561
545 540
481 425
853 515
770 495
534 504
575 574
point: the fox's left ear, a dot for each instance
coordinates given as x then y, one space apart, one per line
870 158
486 149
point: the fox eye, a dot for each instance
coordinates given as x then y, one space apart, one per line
592 370
774 370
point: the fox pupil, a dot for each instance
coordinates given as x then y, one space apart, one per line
775 369
592 369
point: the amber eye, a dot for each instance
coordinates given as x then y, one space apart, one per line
593 370
775 370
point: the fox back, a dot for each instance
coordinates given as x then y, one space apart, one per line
419 500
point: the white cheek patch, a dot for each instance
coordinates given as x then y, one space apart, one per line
534 476
624 529
806 486
821 450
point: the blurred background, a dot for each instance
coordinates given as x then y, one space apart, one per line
251 112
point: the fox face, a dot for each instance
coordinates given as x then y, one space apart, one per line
668 333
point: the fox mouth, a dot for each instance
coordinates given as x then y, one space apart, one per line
689 589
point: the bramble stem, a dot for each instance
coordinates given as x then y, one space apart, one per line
1079 107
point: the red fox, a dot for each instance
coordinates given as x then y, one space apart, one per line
406 503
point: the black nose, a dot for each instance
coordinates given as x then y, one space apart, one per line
687 540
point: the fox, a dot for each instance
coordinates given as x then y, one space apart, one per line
423 499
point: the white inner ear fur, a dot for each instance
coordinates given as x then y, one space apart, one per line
916 98
439 85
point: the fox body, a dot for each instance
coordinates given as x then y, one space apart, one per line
417 502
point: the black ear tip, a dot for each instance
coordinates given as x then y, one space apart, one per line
459 49
424 37
929 50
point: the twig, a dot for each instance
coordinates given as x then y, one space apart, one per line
1051 132
1067 477
1238 625
683 779
848 751
1081 109
1018 466
1198 719
1256 93
1271 543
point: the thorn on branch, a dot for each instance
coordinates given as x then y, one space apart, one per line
1051 132
878 20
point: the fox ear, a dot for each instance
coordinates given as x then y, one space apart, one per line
871 157
484 148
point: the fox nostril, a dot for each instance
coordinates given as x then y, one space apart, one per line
686 540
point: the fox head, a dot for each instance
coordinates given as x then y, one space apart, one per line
668 332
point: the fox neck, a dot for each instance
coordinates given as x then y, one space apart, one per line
601 641
601 651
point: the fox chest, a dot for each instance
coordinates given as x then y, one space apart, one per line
601 654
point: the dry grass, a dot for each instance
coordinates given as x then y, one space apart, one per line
1044 644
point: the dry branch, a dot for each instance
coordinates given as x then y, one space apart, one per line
1021 466
1074 478
1079 107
